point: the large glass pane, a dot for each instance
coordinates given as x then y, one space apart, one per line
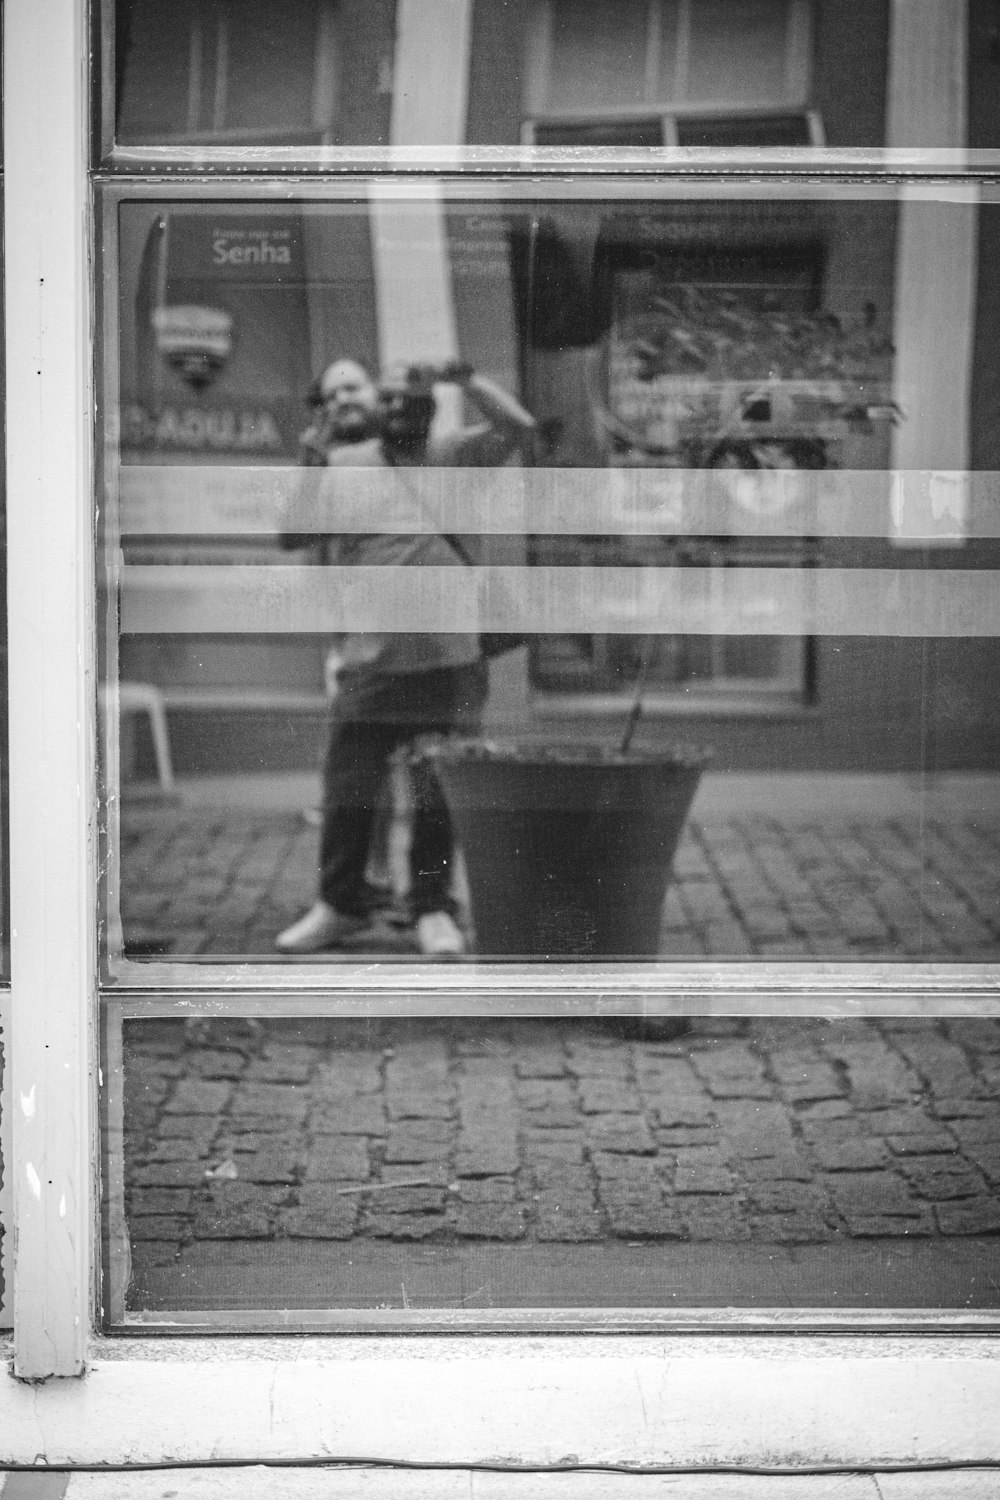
744 131
447 74
306 1167
739 52
709 472
215 70
598 54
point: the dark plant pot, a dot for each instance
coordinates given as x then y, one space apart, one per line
568 849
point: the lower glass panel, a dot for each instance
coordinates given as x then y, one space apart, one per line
315 1164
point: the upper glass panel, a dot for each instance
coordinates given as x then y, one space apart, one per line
601 475
342 82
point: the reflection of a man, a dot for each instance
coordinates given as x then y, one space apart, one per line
394 687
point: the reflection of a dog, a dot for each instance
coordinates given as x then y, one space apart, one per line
764 472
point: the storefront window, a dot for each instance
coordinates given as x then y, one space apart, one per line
536 613
702 344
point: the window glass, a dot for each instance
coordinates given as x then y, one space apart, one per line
670 509
678 55
301 1171
217 70
156 97
763 130
319 75
631 132
739 52
277 61
598 53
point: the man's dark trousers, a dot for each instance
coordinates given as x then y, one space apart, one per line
371 717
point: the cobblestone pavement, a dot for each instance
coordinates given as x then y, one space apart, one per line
779 1131
826 881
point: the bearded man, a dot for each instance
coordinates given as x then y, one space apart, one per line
396 687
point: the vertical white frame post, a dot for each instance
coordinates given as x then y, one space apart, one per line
50 611
6 1210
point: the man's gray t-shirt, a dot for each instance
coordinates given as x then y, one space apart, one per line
396 491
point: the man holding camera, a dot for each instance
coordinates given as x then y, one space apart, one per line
394 687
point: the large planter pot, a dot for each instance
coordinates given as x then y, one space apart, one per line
568 849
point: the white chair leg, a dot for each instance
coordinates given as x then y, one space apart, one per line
161 743
143 698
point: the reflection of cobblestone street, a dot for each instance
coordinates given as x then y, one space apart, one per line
827 871
782 1132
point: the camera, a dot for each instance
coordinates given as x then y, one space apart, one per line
406 401
416 382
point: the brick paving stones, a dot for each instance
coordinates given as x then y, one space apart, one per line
447 1133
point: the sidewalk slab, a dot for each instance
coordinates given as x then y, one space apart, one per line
360 1482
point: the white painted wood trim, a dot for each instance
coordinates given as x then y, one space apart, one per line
6 1196
534 163
365 1482
811 182
51 604
687 1402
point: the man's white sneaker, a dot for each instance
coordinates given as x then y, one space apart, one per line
438 936
321 927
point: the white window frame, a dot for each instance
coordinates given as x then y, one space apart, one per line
746 1399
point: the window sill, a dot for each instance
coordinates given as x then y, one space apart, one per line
685 1402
